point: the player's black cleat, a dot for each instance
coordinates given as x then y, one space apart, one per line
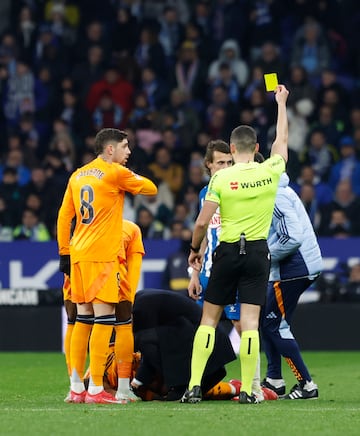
244 398
193 395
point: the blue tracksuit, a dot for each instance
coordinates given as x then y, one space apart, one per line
295 263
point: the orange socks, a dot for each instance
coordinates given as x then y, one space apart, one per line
78 349
124 349
99 347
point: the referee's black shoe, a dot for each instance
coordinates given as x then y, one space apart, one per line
193 395
244 398
280 390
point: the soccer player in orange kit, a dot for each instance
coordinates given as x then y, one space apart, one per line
95 197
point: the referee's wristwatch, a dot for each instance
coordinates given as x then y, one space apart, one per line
195 250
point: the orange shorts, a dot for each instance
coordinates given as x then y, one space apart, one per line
66 288
95 281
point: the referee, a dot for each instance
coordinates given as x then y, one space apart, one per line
245 194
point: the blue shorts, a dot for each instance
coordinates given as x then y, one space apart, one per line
232 311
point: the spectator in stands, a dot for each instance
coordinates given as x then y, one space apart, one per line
323 192
216 125
149 226
171 33
329 80
59 25
262 114
70 111
270 60
300 85
311 49
299 115
19 93
15 159
152 9
8 54
141 112
263 25
308 198
355 126
107 113
339 108
50 52
348 167
220 98
356 136
56 171
124 32
230 54
88 71
154 87
201 16
256 80
26 33
160 205
190 74
165 169
64 145
341 216
31 228
350 291
333 128
34 202
187 120
320 155
228 80
95 35
5 222
171 140
149 52
195 33
183 214
120 90
175 276
228 20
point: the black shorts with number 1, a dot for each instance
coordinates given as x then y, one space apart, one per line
232 272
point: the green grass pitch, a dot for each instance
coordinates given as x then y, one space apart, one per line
33 386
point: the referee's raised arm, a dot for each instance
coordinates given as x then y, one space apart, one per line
280 145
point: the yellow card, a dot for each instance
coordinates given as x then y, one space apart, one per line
271 81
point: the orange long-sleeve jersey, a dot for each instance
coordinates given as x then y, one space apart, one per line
134 252
95 197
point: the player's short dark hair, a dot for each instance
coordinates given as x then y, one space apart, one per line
244 138
215 145
104 136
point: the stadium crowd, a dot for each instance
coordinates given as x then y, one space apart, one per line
175 74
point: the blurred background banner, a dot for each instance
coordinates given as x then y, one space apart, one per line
32 265
31 295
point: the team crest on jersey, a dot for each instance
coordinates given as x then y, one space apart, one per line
234 186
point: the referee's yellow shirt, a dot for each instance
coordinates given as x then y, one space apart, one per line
246 194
